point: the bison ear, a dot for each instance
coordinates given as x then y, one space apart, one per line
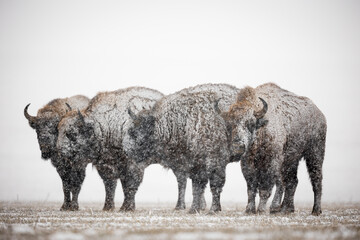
87 130
261 122
68 106
132 114
81 117
216 106
151 120
224 115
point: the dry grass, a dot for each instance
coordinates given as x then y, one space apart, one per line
29 220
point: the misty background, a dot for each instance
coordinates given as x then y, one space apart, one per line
54 49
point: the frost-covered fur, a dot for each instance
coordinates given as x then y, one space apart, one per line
274 141
96 134
184 132
45 124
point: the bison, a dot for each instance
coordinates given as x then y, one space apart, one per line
184 132
96 133
273 129
45 124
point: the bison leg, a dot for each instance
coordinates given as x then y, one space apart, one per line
289 173
314 162
77 178
217 181
203 203
110 187
130 185
74 201
181 180
198 187
67 197
266 182
129 200
264 196
251 191
249 173
64 175
251 183
276 203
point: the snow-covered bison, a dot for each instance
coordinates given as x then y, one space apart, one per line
96 134
274 129
184 132
45 124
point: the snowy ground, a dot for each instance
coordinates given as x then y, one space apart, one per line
29 220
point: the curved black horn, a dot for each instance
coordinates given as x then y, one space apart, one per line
30 118
81 117
70 109
132 115
262 112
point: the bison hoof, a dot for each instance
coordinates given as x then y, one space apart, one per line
287 210
193 211
274 210
211 212
74 207
203 204
316 211
215 208
261 211
65 207
127 208
180 207
108 207
250 210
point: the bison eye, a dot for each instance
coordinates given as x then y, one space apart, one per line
53 130
132 133
250 126
71 136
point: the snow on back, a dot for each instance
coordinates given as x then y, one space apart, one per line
188 124
223 93
288 111
110 109
58 107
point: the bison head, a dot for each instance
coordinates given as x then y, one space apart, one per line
46 130
139 140
243 121
76 142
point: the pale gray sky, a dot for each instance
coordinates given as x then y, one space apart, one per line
51 49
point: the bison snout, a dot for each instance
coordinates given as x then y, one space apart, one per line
46 151
238 148
45 155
